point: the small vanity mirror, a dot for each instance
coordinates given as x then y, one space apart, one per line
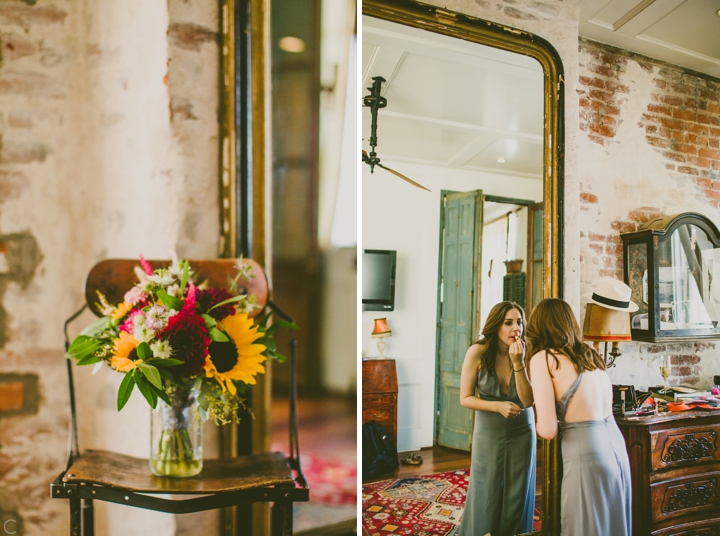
672 265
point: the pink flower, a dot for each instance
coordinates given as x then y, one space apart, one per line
146 266
129 325
135 295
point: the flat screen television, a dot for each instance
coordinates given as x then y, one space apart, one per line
378 279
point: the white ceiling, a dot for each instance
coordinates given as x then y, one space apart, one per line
681 32
452 103
462 105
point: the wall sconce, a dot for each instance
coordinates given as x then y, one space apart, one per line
606 325
379 332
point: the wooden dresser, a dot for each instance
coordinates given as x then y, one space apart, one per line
380 395
675 465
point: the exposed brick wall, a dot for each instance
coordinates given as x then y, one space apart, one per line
601 95
671 118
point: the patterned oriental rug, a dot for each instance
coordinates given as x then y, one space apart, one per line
425 505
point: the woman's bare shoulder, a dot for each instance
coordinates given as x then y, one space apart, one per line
476 349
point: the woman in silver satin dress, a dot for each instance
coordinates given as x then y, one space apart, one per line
501 493
570 385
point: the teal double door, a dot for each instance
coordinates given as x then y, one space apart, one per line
458 310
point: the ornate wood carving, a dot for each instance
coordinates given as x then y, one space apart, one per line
689 495
690 448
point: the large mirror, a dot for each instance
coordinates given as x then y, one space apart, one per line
474 114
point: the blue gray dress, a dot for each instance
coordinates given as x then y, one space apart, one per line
596 496
501 493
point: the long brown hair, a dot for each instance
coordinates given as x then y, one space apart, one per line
489 341
553 328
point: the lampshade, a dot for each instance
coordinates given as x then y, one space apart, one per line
603 324
380 328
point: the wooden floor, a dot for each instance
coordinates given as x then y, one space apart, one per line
327 428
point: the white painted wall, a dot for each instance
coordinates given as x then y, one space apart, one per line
398 216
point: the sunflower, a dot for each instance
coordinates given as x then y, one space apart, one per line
125 357
121 310
238 358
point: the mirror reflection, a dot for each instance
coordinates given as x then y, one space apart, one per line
465 121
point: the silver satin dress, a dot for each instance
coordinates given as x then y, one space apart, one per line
501 493
596 495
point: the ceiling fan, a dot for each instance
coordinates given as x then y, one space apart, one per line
375 101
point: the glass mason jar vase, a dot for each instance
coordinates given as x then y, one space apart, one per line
176 436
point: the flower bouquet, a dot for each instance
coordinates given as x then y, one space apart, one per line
190 350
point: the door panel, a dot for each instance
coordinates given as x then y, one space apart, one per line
457 311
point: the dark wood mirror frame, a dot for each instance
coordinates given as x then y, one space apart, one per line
435 19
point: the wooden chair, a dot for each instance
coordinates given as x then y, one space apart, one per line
108 476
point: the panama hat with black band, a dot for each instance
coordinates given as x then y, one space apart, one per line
613 294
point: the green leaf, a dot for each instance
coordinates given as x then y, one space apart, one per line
269 344
280 358
82 346
216 335
88 360
229 300
143 351
125 390
280 324
162 395
97 326
171 302
183 282
198 383
263 319
166 374
152 374
163 362
147 391
204 401
209 321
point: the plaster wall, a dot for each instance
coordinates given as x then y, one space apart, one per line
109 149
398 216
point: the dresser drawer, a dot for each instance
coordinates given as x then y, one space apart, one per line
684 446
379 400
708 527
685 495
382 413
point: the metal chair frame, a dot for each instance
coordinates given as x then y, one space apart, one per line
82 494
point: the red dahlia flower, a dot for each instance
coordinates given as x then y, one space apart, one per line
188 337
212 296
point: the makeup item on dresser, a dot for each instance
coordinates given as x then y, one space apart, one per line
624 399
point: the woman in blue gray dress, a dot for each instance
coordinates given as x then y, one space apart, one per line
571 386
494 383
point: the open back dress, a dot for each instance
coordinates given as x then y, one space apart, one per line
596 496
501 493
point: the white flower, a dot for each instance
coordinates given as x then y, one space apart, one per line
105 308
143 334
248 305
174 290
244 268
161 349
138 319
156 317
162 278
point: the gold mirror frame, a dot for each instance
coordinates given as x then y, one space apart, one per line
257 55
460 26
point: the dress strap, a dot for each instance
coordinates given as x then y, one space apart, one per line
562 404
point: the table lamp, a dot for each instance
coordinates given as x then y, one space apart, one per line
606 325
379 332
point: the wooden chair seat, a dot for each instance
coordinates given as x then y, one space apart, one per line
114 470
